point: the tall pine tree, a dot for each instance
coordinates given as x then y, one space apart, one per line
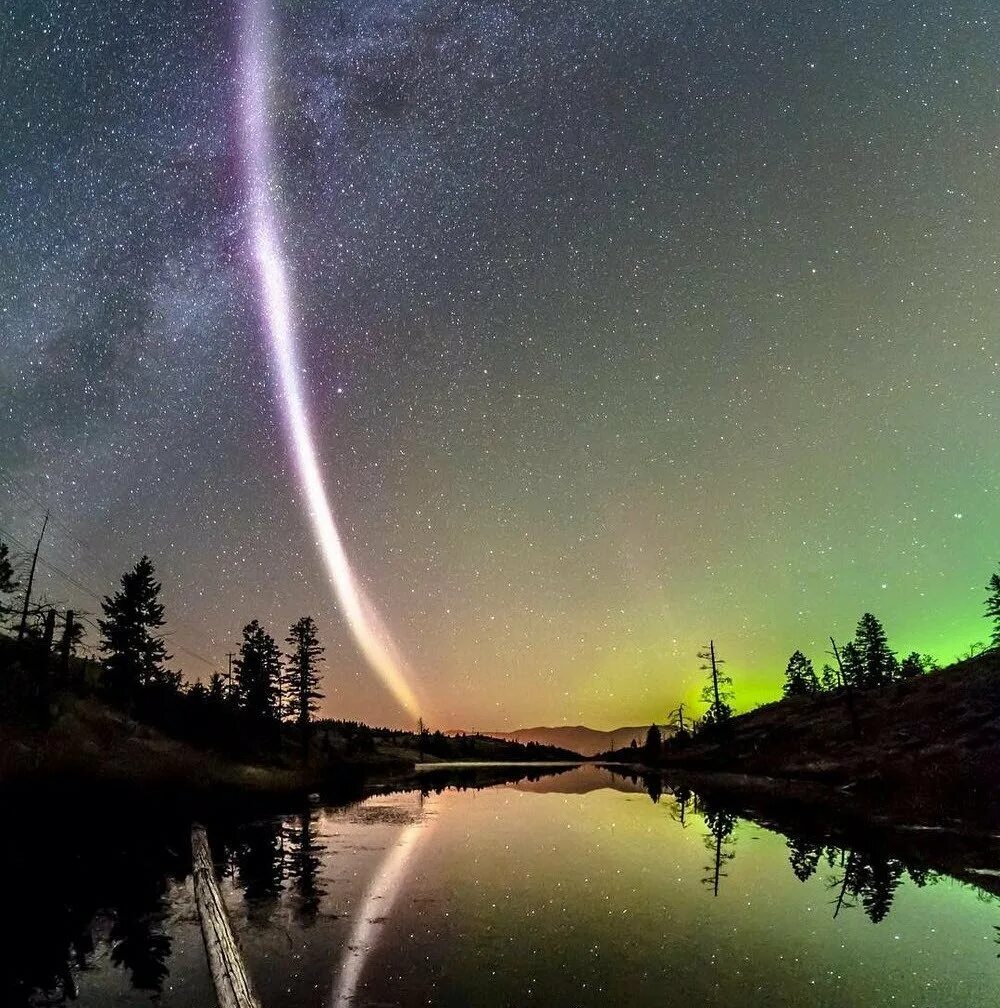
135 653
993 609
258 668
800 678
853 664
880 663
303 671
653 749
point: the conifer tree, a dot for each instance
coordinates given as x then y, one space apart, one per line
283 702
653 748
880 663
135 653
911 666
7 583
73 636
303 671
829 678
993 609
216 690
854 666
804 858
257 669
800 679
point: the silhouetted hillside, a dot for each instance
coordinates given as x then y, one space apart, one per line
930 744
353 739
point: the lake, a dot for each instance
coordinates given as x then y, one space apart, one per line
575 887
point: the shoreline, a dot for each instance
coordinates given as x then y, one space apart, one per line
837 799
967 849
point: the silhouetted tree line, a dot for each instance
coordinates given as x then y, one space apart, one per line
39 648
272 691
866 877
270 700
248 713
264 706
865 662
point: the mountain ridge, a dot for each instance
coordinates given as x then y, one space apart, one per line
580 738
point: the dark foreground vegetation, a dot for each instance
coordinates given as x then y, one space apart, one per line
126 719
926 748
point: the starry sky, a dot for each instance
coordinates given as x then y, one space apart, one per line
623 325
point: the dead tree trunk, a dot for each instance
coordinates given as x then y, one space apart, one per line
31 580
848 692
846 882
715 679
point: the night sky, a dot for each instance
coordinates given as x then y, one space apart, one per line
622 326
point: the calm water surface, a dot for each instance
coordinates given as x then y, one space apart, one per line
574 889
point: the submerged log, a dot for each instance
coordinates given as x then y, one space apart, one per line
232 984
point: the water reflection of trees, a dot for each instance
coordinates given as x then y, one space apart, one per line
271 859
140 948
75 902
104 895
682 799
106 898
304 864
258 860
864 876
804 858
719 841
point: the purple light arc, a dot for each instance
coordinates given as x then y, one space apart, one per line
272 277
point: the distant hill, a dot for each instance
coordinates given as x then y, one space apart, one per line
583 780
579 738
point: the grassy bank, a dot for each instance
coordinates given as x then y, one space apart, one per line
93 748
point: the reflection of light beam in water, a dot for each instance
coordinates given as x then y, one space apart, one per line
272 278
375 906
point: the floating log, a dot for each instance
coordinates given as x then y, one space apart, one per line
232 984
